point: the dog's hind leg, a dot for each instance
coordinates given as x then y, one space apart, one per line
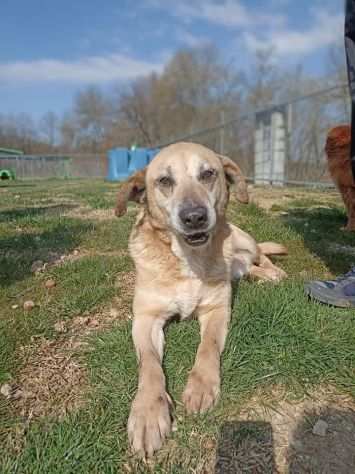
149 420
202 388
267 271
272 248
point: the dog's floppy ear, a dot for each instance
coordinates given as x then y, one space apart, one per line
235 176
131 190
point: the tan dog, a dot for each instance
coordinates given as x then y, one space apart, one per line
186 255
338 153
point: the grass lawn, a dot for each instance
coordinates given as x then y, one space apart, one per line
70 362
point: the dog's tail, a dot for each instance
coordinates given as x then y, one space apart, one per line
272 248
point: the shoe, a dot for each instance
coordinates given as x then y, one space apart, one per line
339 292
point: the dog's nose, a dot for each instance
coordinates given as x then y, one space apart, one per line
193 217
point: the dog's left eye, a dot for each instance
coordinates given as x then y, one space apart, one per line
206 175
165 181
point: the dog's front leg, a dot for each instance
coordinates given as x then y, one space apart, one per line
149 420
203 385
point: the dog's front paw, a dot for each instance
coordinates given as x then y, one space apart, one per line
201 392
149 422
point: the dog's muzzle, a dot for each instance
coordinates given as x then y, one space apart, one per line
194 221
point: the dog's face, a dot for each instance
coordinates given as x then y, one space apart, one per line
186 188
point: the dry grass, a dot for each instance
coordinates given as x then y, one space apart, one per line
53 380
268 196
87 213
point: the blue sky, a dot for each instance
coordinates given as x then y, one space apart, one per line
50 49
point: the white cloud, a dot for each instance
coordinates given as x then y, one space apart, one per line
264 28
92 69
233 13
190 39
228 13
327 29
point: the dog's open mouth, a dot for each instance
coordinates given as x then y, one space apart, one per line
199 238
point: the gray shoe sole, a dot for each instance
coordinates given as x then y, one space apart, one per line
324 297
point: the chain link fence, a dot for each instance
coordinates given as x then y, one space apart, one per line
74 165
282 143
279 144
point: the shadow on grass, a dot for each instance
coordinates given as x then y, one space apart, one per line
328 453
248 446
245 446
17 253
320 229
20 213
16 185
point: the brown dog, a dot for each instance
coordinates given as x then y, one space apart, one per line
186 255
338 154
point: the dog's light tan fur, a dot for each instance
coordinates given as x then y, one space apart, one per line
174 278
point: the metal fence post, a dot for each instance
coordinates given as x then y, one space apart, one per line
221 134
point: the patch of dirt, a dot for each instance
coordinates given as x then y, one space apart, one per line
297 449
123 304
268 196
87 212
55 259
52 381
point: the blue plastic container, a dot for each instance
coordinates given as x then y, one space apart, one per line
123 162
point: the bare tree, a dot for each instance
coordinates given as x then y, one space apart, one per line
91 111
68 132
337 73
49 128
194 87
263 79
19 131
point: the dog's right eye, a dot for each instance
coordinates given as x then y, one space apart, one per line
165 181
